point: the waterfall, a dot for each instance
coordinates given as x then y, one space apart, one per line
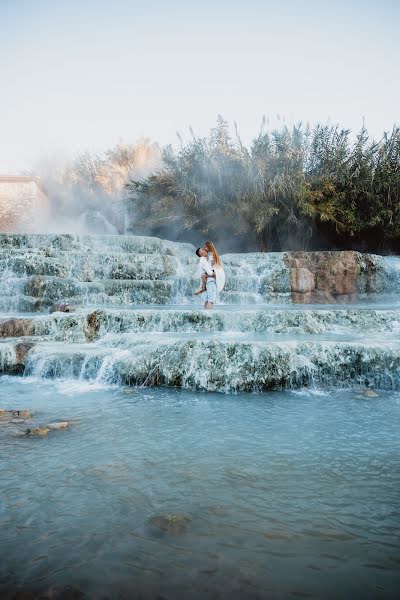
284 320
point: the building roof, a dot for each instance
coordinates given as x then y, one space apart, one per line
23 179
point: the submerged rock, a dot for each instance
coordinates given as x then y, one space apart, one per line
371 394
14 414
67 592
58 425
171 523
21 595
38 431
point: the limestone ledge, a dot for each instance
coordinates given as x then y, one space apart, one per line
39 270
211 365
83 325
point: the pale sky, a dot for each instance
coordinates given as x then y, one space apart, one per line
84 74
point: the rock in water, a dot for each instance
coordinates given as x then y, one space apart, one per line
92 324
59 307
23 414
13 356
14 414
16 328
58 425
174 524
371 394
39 431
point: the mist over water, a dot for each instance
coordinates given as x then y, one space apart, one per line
88 195
298 188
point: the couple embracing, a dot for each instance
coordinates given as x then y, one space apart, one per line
212 274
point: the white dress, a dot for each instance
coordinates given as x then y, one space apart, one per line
219 275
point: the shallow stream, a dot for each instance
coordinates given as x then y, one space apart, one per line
170 493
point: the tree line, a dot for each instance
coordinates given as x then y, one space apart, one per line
292 188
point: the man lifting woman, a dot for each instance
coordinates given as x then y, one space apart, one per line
212 274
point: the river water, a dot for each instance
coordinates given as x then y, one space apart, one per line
170 493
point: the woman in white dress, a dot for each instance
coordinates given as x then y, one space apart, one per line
216 264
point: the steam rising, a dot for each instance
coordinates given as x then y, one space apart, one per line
88 196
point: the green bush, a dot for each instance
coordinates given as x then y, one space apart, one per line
291 189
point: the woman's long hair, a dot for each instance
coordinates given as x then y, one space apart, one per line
209 246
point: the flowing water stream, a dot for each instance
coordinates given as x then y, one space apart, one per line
180 494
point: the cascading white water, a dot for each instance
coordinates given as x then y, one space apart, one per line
135 319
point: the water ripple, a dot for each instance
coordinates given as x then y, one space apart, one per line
278 495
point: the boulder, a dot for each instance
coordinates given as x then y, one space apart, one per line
323 277
16 327
21 350
60 307
92 325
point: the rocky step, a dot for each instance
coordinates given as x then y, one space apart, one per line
227 366
32 264
93 324
89 266
115 243
66 282
39 292
13 354
127 341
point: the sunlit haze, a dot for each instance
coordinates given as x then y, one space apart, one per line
85 75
